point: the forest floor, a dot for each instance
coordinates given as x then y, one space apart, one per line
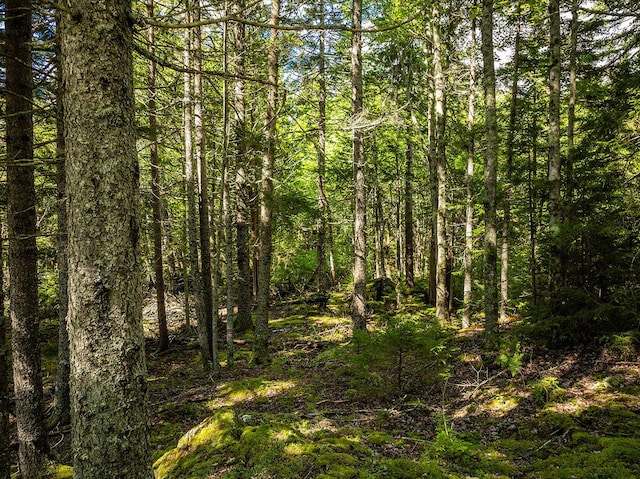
388 406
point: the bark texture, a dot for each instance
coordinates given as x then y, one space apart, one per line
21 206
108 375
261 345
358 304
490 174
5 442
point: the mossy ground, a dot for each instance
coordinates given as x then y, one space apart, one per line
314 412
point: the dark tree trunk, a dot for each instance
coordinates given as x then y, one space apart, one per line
21 204
108 374
156 188
5 439
408 216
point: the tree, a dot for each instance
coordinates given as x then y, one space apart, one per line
490 174
5 442
261 348
108 376
156 187
358 304
554 205
23 253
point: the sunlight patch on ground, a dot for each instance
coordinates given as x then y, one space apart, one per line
251 389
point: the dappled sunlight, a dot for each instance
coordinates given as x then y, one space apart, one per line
252 389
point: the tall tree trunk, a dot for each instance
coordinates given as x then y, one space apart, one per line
380 271
205 328
5 438
21 204
490 175
506 221
433 196
358 305
156 187
471 153
61 410
261 345
323 203
408 213
108 374
442 308
227 212
554 205
243 186
571 111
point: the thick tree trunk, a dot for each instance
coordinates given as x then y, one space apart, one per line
554 205
358 304
490 174
62 402
205 327
5 438
108 374
261 345
23 254
506 221
156 187
442 308
471 153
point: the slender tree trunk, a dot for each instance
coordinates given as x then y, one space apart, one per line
408 215
5 438
323 203
433 195
205 328
532 175
156 187
506 222
554 205
490 175
380 271
261 345
571 112
61 410
471 153
108 374
21 204
243 186
226 204
442 309
358 305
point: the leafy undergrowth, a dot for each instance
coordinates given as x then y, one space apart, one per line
410 400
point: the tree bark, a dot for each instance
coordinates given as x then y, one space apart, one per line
261 345
408 215
5 438
442 307
108 374
21 206
490 174
156 187
205 327
571 111
554 205
471 153
506 221
358 304
62 402
323 203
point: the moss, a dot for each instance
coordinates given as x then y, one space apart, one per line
59 471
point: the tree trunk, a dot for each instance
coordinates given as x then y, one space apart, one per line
156 187
108 374
205 328
442 308
471 152
23 254
323 203
408 214
261 345
532 174
433 196
490 175
506 221
554 205
243 185
5 438
571 111
358 305
380 271
61 410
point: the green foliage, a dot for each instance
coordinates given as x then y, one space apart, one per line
510 357
406 355
547 389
